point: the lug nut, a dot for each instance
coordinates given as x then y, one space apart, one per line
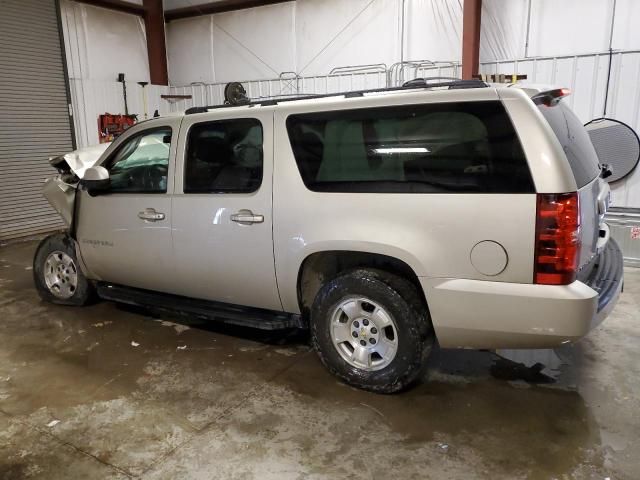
363 343
374 330
372 341
365 322
356 324
355 334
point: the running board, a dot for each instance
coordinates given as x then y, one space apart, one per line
202 309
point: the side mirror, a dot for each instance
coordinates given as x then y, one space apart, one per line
95 180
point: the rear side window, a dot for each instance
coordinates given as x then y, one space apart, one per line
575 142
224 157
437 148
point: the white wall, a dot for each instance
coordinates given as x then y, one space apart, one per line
503 29
310 37
99 44
557 27
333 33
433 30
245 44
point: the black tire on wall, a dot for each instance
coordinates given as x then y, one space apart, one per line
57 275
359 304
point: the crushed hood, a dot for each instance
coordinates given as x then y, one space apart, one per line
79 160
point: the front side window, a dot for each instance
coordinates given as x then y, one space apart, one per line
224 157
435 148
141 164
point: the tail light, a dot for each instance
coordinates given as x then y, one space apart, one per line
557 248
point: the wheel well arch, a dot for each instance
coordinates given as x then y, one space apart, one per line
320 267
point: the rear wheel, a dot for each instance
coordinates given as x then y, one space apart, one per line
56 274
371 329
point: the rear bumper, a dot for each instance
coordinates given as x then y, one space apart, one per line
605 277
482 314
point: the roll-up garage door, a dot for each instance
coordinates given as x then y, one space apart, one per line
34 114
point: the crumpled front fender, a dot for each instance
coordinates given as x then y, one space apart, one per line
60 191
61 196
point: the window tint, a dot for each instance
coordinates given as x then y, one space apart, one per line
575 142
224 157
436 148
141 164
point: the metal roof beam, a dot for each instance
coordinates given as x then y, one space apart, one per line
216 7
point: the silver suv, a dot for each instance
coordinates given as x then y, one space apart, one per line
381 220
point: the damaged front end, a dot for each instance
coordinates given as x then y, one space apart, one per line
60 190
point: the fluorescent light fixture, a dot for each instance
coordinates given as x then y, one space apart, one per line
391 150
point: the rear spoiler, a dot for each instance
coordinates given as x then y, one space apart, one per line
550 97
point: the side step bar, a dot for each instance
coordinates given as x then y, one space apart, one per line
202 309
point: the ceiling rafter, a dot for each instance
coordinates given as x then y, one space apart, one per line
216 7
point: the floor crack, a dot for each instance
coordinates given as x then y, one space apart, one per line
66 443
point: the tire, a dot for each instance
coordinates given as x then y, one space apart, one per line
365 300
57 275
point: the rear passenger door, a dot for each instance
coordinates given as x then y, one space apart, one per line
222 210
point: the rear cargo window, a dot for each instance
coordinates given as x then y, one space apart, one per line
575 142
438 148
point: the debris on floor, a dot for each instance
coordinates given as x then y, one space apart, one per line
176 326
101 324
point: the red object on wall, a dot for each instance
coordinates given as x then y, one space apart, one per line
111 126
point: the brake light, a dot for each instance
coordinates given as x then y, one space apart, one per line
557 247
550 97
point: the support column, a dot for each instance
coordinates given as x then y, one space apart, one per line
156 47
471 15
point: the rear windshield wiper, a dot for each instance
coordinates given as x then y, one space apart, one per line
605 170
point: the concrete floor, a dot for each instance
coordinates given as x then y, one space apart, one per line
104 392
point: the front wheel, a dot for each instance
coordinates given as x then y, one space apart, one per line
371 329
56 274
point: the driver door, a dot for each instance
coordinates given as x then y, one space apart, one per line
124 233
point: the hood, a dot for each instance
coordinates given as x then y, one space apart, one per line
79 160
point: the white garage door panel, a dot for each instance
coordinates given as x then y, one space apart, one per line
34 118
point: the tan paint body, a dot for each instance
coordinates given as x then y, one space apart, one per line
197 251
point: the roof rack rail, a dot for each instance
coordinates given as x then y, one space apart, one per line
451 82
417 83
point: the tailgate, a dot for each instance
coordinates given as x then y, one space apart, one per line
594 233
592 190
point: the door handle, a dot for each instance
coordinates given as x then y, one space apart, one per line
246 217
150 215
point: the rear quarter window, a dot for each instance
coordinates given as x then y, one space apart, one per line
465 147
575 142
